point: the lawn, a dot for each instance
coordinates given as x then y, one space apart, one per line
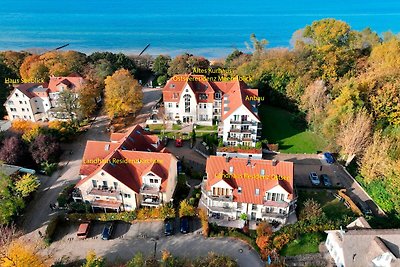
307 243
206 128
156 127
331 206
176 127
282 127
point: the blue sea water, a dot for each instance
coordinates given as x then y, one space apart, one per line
209 28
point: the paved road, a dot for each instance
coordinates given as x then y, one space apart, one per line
305 163
150 98
38 212
126 243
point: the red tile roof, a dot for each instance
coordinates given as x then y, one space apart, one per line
199 84
127 158
73 82
248 177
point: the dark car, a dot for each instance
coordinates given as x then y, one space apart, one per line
326 180
184 225
107 231
169 228
328 157
365 209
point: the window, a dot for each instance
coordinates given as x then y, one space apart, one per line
273 196
25 102
115 185
230 169
172 85
257 191
94 183
262 172
10 102
16 95
175 95
105 184
127 196
253 207
152 181
187 103
24 116
218 95
46 105
203 96
177 105
20 102
170 105
239 190
282 197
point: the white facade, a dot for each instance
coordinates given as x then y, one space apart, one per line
19 106
240 128
220 200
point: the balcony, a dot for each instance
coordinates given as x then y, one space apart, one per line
215 197
233 139
273 215
106 204
279 204
149 190
103 191
151 201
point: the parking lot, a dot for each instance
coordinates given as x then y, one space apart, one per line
146 237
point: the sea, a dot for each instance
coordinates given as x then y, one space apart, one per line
208 28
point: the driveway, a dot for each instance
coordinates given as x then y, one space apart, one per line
128 241
306 163
150 98
196 161
38 212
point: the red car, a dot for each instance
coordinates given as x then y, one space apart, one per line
178 142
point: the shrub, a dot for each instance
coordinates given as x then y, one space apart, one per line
51 228
65 195
49 168
186 209
204 222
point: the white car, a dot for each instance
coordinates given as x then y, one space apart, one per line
314 178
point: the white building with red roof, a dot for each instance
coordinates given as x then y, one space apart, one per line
261 189
195 99
133 169
35 101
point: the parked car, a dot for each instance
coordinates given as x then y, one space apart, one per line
107 231
168 227
328 157
83 230
184 225
326 180
365 209
314 178
178 142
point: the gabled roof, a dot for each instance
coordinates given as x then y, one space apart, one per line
127 158
72 81
28 89
247 175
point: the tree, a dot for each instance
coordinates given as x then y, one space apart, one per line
12 151
45 148
185 63
93 261
27 184
354 135
161 65
314 101
19 254
123 94
10 202
232 56
185 209
258 46
68 105
88 95
376 162
136 261
311 210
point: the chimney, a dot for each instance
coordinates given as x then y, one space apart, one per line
274 162
227 158
248 162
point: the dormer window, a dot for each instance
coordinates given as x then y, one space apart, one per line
257 191
239 190
230 169
203 96
172 85
262 172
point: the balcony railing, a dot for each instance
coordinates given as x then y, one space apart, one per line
233 130
216 197
280 204
149 190
103 191
274 215
150 202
